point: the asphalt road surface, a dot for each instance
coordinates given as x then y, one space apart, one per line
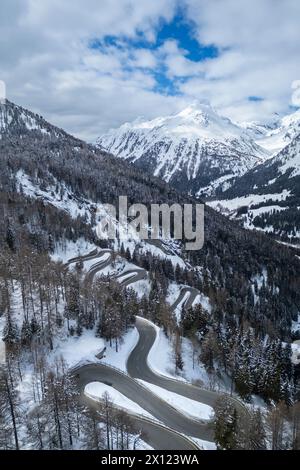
157 436
137 367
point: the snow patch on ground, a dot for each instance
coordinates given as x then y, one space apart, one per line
141 288
159 253
295 325
119 359
95 391
228 205
64 200
193 370
65 251
78 350
191 408
205 445
296 352
204 301
160 358
173 293
161 361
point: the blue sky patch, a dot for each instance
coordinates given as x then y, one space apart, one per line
180 30
255 98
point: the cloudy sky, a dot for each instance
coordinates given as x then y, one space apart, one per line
89 65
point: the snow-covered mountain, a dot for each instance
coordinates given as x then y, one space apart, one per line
268 197
196 150
276 134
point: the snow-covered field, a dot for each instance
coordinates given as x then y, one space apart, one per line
119 359
189 407
70 249
78 350
230 205
230 208
95 390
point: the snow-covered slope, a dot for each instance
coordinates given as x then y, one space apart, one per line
17 120
196 150
275 135
254 197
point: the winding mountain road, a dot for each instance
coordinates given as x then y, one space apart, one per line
173 428
137 367
81 258
158 408
188 302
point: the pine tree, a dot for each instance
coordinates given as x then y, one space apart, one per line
9 409
10 332
11 237
225 424
26 333
257 433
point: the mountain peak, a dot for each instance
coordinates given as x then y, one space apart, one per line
192 148
195 108
16 120
275 138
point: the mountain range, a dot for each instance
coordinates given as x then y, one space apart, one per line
236 165
196 150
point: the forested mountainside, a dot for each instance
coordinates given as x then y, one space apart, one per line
268 197
231 258
199 152
196 150
51 184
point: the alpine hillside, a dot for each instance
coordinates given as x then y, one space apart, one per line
268 196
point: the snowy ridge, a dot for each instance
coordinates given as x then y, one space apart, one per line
17 120
196 144
276 135
290 161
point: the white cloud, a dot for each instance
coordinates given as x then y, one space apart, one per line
176 62
144 58
258 42
48 66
